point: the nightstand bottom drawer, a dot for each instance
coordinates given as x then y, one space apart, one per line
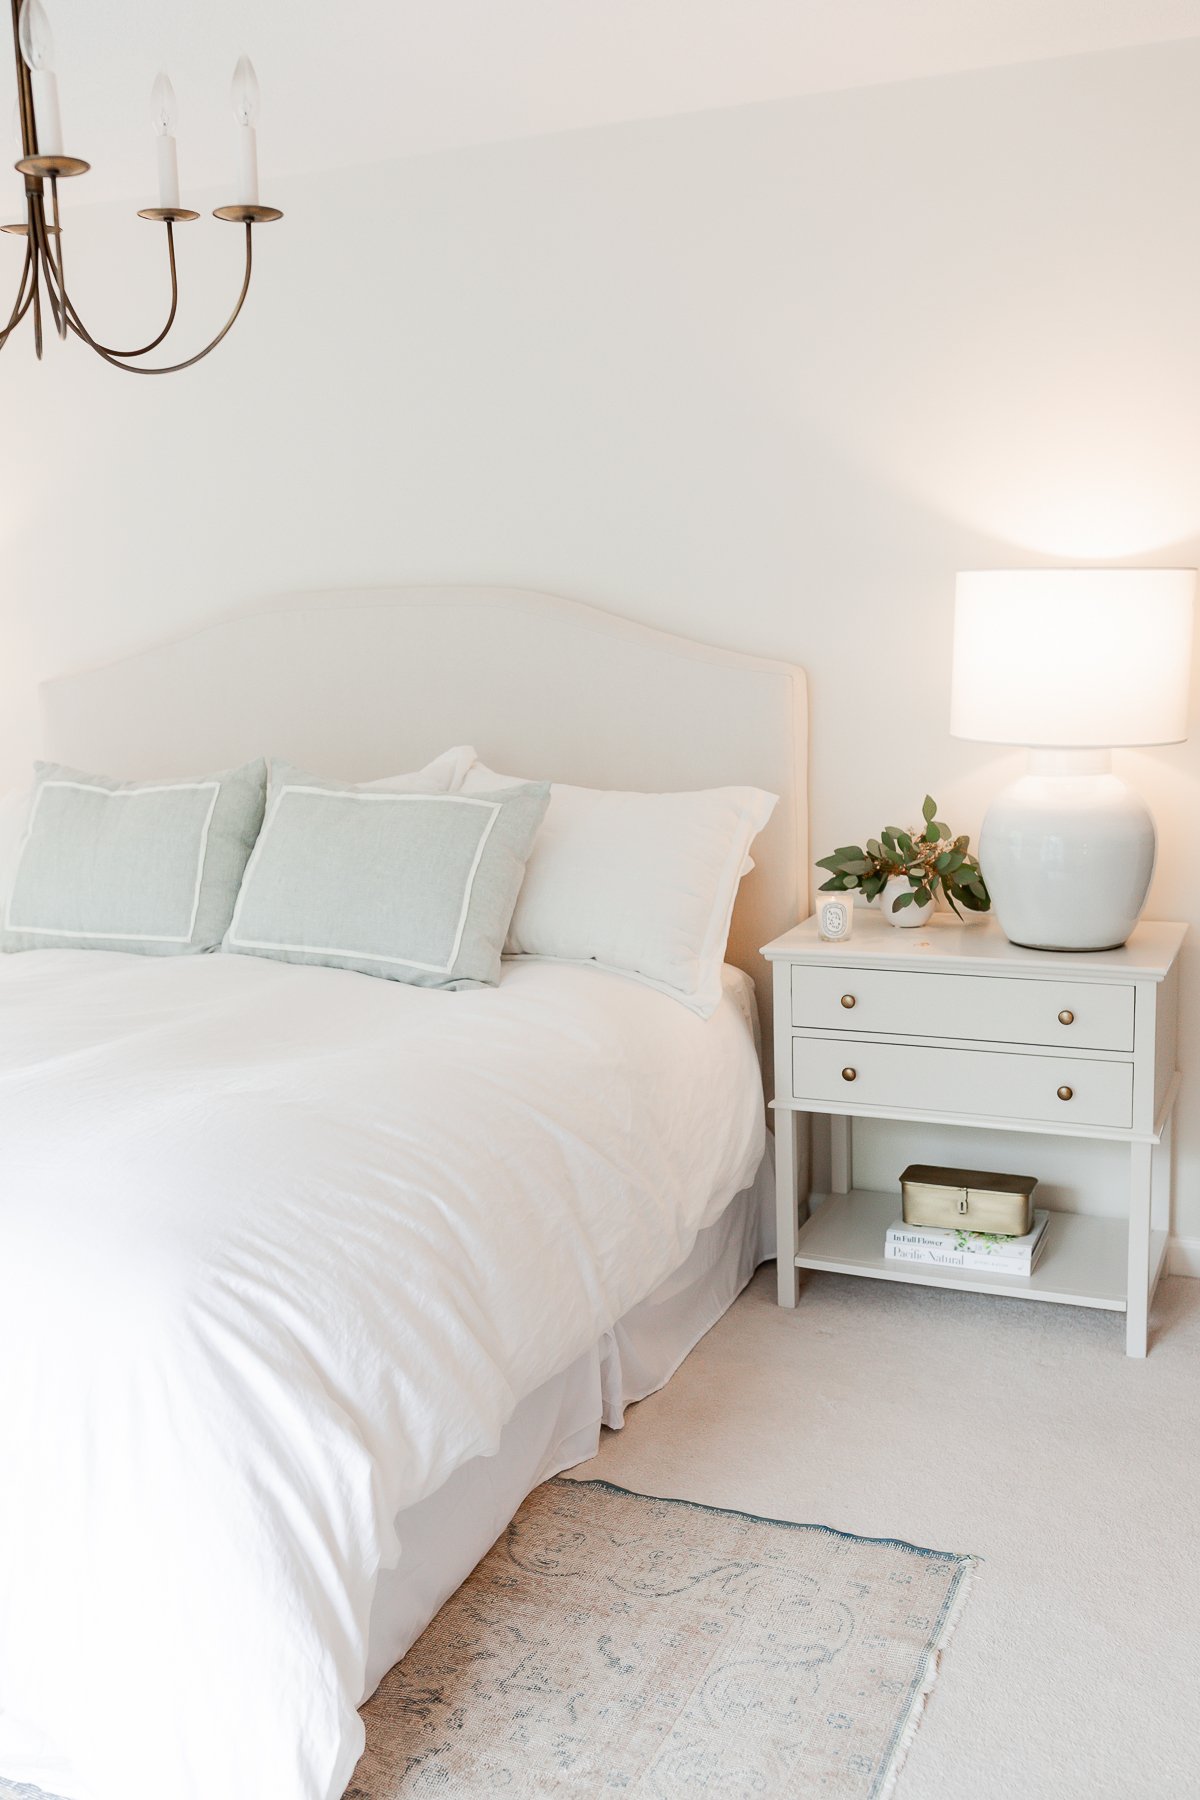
979 1083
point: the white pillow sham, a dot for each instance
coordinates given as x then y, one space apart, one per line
640 884
444 775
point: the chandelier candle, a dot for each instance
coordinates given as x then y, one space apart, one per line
164 112
37 47
245 111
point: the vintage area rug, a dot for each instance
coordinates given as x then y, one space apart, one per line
613 1644
610 1643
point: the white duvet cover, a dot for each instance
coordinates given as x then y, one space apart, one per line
280 1248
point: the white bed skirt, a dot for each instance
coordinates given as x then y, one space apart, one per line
555 1427
558 1425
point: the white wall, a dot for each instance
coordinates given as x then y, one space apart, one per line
767 377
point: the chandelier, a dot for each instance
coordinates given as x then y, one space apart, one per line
43 286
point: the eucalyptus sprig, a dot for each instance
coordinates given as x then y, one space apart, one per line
930 858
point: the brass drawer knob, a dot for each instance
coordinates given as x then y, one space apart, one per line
1065 1093
848 1001
1066 1018
849 1074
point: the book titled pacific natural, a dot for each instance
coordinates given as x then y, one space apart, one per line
974 1250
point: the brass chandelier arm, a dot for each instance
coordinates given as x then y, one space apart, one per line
52 261
133 368
36 296
80 329
43 261
24 296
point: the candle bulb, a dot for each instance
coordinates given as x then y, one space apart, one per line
37 48
245 111
165 112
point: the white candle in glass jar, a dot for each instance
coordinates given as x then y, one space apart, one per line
835 917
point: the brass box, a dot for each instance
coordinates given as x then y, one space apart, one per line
968 1199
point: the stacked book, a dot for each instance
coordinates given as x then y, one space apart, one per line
974 1250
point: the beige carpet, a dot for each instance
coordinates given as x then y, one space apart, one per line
612 1643
1014 1430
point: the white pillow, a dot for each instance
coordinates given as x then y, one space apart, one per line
444 775
642 884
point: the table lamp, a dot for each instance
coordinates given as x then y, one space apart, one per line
1071 663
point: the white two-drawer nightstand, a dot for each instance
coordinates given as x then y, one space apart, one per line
952 1024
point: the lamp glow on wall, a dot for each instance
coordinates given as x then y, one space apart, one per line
1071 663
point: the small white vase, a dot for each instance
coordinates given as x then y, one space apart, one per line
907 915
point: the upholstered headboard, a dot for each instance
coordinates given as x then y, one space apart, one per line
363 682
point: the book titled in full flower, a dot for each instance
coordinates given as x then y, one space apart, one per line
976 1250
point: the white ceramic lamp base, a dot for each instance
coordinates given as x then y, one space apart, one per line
1067 853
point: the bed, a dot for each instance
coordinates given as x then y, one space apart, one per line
309 1278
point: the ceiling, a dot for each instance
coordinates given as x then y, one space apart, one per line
366 80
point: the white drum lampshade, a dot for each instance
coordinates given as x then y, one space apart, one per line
1071 663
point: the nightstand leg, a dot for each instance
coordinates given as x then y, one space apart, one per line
1162 1182
787 1205
1137 1292
841 1153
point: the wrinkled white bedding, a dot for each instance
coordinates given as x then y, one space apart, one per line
280 1248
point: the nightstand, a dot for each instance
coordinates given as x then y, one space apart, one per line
951 1024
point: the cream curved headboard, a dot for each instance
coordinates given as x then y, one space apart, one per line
362 682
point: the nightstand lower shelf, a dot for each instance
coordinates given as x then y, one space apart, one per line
1084 1263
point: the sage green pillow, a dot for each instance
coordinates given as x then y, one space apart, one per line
147 866
412 887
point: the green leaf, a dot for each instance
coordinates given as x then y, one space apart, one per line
875 849
858 865
832 886
922 896
873 885
828 862
901 900
943 831
905 843
929 810
849 881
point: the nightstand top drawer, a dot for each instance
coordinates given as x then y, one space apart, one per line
1071 1015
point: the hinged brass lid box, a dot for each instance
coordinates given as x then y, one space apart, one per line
968 1199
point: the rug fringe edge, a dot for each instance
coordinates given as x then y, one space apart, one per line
933 1663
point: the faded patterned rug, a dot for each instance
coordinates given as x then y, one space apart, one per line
611 1643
